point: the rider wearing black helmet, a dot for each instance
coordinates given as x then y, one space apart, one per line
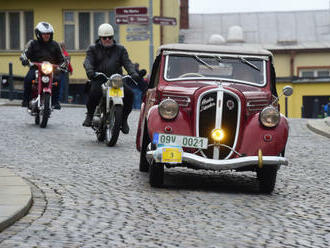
44 48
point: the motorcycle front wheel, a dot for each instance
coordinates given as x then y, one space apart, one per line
113 124
45 102
37 119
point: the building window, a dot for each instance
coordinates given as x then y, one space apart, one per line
16 29
315 72
80 27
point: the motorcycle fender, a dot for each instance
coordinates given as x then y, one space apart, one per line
47 90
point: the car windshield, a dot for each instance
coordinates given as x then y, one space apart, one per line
239 68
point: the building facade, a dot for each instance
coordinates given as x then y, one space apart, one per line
299 41
75 22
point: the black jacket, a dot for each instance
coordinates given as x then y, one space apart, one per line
38 51
108 60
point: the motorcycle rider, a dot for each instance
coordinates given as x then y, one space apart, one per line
108 57
44 48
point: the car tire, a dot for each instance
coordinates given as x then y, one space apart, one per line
144 165
156 174
267 179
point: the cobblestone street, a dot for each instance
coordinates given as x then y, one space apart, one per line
89 195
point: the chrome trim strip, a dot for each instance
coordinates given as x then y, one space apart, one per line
224 55
218 165
218 118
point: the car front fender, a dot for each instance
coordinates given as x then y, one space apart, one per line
271 141
180 125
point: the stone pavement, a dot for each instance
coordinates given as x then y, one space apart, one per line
16 196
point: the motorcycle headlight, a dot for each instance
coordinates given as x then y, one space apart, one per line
46 68
116 81
168 109
269 117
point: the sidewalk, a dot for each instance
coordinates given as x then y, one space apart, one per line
15 198
320 126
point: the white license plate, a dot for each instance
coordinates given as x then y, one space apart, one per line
180 140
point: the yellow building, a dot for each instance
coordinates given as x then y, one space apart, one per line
76 22
308 72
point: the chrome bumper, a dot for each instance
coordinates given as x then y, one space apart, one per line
228 164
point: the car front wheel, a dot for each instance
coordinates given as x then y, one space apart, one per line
267 179
156 176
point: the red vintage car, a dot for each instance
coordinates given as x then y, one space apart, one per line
214 108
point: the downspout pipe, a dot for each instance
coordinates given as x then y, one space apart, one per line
161 26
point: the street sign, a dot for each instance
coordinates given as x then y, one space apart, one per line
138 19
164 20
121 20
131 11
137 32
137 37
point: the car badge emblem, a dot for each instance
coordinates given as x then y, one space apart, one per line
230 104
207 103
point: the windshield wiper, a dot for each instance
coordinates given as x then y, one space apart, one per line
203 62
243 60
218 58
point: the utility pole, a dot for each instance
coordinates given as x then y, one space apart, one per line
151 39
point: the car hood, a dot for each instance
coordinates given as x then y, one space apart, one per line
249 91
189 88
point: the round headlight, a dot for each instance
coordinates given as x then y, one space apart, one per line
217 135
116 81
46 68
168 109
269 117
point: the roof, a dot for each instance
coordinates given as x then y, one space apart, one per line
252 50
281 30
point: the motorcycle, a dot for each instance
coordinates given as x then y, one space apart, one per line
41 106
108 114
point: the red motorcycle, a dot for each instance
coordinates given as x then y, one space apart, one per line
41 106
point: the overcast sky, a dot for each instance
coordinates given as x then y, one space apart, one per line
227 6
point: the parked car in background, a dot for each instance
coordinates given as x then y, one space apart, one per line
214 108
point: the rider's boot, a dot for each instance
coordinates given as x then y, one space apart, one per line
55 99
88 121
25 103
57 105
124 125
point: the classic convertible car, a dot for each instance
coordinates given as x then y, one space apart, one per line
214 108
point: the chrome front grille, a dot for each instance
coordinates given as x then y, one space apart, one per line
219 108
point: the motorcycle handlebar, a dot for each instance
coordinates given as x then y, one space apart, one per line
108 78
30 63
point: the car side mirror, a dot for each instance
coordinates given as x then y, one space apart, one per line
287 90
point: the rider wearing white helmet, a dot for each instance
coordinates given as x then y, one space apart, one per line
108 57
44 48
